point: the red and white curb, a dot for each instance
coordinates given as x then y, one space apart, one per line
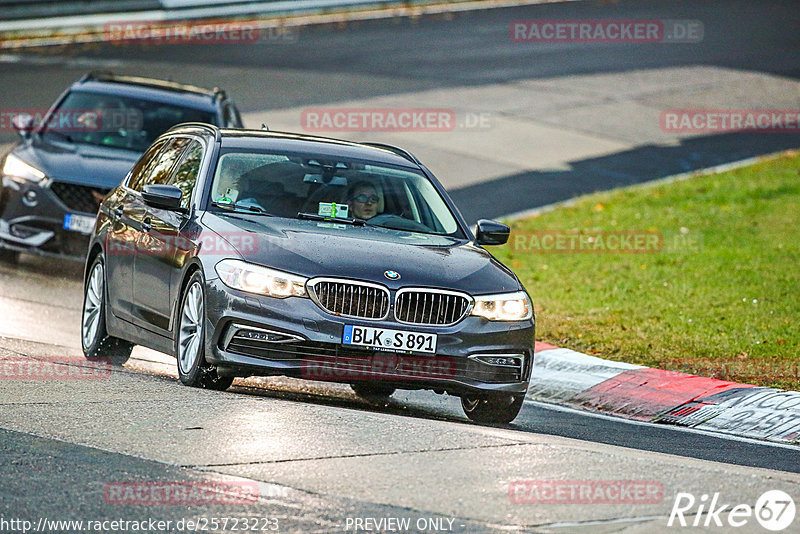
564 376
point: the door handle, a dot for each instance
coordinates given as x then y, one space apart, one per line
146 225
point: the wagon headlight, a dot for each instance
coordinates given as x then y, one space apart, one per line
504 307
245 276
19 169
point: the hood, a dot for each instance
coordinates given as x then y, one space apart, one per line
95 166
311 248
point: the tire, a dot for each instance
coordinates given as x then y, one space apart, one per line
492 409
95 341
190 336
373 392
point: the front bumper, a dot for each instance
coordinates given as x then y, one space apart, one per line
32 220
312 347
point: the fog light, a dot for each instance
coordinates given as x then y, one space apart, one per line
270 337
503 361
500 360
243 333
22 231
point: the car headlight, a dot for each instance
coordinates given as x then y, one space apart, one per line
504 307
245 276
19 169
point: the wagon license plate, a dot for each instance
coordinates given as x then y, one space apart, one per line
385 339
79 223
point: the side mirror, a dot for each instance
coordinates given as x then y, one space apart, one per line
167 197
23 124
491 233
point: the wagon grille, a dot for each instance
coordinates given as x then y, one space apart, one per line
79 197
430 307
350 298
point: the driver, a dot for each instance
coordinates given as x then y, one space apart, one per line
363 199
97 125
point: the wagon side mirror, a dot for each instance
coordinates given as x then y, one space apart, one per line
491 232
166 197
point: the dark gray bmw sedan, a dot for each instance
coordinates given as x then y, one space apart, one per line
245 252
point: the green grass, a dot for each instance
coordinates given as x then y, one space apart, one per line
721 299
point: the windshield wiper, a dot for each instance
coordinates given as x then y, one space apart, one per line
68 138
242 209
316 217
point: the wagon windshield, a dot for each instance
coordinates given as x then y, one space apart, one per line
286 185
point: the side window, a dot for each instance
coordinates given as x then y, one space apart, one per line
140 168
159 171
185 175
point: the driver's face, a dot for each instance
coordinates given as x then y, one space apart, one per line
102 115
364 210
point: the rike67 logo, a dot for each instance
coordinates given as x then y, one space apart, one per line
774 511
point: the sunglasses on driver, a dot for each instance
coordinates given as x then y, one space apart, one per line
363 199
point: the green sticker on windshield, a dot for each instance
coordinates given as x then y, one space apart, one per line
332 209
225 199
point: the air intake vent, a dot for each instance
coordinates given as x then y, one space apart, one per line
430 306
350 298
79 197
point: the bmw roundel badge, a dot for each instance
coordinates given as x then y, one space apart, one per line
391 275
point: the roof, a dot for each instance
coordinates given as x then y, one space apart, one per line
151 89
309 144
321 146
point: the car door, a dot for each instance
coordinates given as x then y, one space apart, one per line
156 251
124 209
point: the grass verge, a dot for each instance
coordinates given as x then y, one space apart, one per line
700 276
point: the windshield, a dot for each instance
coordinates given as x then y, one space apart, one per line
287 185
117 121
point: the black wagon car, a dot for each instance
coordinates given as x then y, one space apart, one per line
71 155
246 252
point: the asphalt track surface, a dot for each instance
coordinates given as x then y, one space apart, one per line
329 64
55 474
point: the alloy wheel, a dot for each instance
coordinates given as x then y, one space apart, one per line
93 306
191 329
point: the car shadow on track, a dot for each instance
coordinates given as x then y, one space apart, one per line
426 406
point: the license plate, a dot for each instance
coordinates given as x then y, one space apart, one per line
79 223
391 340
